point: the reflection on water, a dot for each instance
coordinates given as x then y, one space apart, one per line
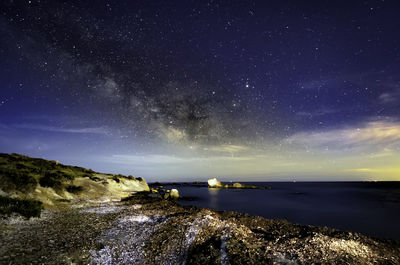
213 197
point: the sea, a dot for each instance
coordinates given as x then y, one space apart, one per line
371 208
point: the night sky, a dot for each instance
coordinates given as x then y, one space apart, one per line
186 90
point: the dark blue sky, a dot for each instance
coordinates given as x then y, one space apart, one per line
89 82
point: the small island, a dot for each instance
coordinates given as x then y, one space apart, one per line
215 183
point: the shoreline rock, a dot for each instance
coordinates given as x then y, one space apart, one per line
174 194
165 194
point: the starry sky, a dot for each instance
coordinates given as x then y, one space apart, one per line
187 90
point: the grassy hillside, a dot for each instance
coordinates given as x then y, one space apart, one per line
23 174
26 180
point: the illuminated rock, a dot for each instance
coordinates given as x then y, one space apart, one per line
237 185
174 194
214 183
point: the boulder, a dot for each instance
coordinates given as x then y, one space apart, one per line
214 183
174 194
237 185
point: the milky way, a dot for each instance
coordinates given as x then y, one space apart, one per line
202 88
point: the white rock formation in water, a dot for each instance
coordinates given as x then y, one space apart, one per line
214 183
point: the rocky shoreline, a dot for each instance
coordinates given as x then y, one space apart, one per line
147 230
96 218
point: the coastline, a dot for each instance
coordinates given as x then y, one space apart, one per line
146 230
95 218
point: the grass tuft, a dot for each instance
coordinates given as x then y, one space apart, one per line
26 208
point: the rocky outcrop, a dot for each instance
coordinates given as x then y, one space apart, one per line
165 194
174 194
145 230
214 183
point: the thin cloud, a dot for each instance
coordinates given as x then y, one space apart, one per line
390 97
228 148
318 112
377 134
85 130
157 159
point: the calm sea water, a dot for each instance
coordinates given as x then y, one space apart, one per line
372 208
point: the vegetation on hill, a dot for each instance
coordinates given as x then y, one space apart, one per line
27 182
23 173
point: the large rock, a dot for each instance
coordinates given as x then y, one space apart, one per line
174 194
237 185
214 183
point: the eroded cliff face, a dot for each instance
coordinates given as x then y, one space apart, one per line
60 186
146 230
99 188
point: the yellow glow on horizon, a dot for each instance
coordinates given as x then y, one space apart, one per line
386 173
370 152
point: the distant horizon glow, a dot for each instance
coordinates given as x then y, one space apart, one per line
362 153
